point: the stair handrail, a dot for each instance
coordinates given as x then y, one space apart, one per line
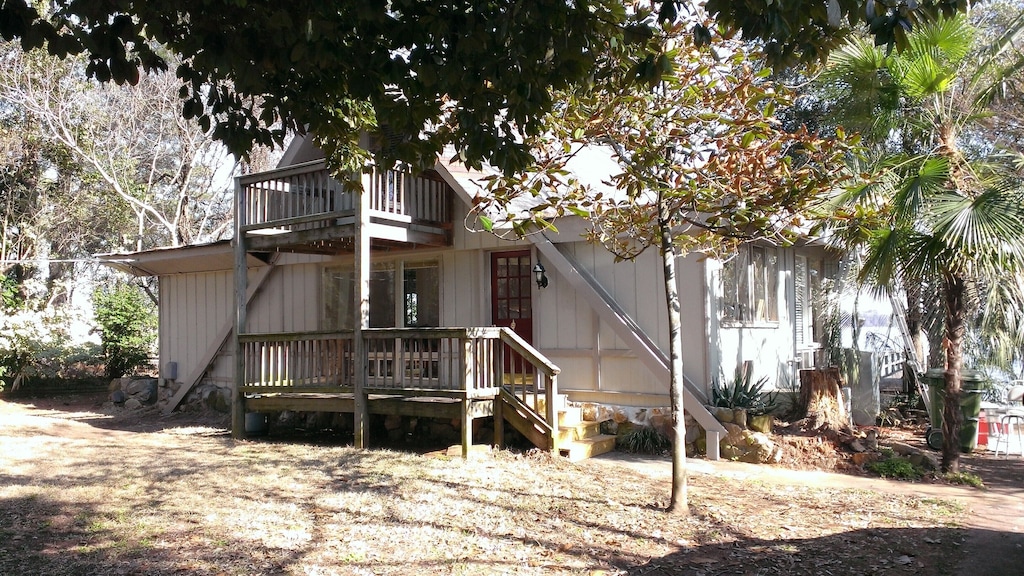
527 351
546 370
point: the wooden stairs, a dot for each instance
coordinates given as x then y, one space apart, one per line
572 437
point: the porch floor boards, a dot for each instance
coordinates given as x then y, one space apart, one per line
386 404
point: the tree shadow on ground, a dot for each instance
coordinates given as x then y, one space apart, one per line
868 551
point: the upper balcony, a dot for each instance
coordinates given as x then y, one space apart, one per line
303 209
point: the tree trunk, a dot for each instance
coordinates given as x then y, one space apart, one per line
678 503
953 288
821 399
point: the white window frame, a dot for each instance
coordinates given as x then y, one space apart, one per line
750 287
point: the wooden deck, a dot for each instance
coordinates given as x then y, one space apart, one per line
456 373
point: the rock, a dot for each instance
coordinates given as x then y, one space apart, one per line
724 415
856 446
871 439
139 385
733 434
863 458
730 452
118 397
220 400
918 460
760 423
115 384
739 417
760 448
620 417
902 449
692 433
132 404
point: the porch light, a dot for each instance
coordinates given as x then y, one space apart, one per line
538 273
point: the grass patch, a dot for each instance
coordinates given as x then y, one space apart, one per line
963 478
895 468
175 503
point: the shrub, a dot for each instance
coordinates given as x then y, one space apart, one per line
965 478
898 468
644 440
36 345
127 324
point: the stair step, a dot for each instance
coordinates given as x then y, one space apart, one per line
577 432
570 416
587 448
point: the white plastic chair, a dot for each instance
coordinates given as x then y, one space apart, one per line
1012 419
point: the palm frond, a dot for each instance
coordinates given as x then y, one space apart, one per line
986 231
918 178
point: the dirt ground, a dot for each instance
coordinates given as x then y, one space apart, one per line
91 490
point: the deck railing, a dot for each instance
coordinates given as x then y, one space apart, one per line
474 362
306 196
299 361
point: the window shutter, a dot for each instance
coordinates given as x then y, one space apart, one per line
800 302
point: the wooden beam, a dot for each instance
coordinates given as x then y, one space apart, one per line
241 291
362 316
223 336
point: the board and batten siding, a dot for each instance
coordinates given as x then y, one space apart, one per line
288 301
592 357
193 308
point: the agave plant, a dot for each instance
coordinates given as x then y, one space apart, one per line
742 393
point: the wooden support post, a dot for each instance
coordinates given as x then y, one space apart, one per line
241 283
499 421
467 426
497 377
361 414
468 376
551 411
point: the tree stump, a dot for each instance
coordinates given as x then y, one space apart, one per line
821 400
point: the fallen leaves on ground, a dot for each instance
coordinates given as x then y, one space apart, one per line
79 498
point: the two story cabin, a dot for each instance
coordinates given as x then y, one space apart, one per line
386 302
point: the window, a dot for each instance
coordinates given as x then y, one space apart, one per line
415 303
750 286
422 281
809 274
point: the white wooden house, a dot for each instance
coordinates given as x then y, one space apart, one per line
385 301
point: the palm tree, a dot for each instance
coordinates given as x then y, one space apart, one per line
944 204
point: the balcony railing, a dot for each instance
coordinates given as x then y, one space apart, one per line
306 196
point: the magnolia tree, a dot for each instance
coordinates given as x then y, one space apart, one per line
698 161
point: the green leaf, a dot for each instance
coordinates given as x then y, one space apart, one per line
579 211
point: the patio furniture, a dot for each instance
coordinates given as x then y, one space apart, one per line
1011 419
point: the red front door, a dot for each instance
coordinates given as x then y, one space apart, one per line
511 296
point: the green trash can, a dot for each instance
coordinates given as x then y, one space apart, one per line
971 384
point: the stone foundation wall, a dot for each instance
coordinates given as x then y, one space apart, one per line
134 392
